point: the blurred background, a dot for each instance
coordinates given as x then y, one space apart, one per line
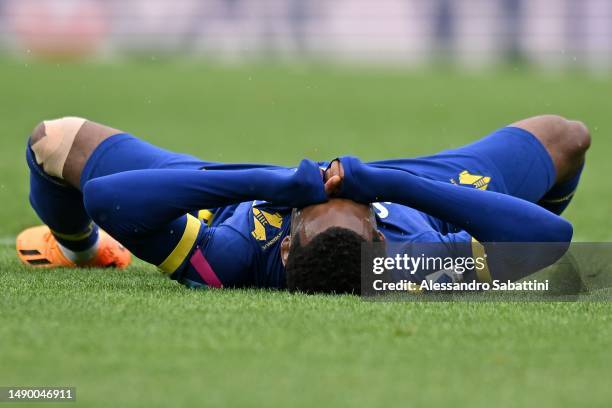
279 80
551 33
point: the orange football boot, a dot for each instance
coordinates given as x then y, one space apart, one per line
38 247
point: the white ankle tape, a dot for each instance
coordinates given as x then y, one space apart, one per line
52 150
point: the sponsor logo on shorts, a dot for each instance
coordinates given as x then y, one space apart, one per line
469 179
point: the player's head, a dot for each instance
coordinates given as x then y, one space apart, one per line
323 252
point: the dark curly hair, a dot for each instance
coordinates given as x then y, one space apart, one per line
329 263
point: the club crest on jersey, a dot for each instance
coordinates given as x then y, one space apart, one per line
475 180
265 223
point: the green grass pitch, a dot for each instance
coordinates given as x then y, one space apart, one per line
133 338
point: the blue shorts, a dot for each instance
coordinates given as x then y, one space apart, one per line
510 161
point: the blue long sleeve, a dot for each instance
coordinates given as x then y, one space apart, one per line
146 199
488 216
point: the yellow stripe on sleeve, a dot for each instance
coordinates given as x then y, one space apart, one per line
478 251
206 216
181 251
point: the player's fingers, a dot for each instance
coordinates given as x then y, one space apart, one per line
337 169
332 170
332 185
328 174
324 173
340 169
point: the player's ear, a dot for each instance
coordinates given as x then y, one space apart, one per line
381 236
285 248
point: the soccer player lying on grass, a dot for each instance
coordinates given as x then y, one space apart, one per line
237 225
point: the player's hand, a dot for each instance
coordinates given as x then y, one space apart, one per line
358 181
333 177
305 187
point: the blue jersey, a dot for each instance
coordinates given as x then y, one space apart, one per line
239 244
242 242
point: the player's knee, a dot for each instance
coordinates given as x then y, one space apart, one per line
567 139
578 138
51 141
571 142
37 133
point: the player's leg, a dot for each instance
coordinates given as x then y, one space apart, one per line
60 159
73 140
537 159
567 142
69 236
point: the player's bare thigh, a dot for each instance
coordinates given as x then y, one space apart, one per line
88 137
565 140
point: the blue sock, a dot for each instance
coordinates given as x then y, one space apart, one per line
559 197
61 208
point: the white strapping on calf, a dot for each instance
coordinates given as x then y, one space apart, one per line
52 150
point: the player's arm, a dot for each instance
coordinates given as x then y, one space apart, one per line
143 200
486 215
